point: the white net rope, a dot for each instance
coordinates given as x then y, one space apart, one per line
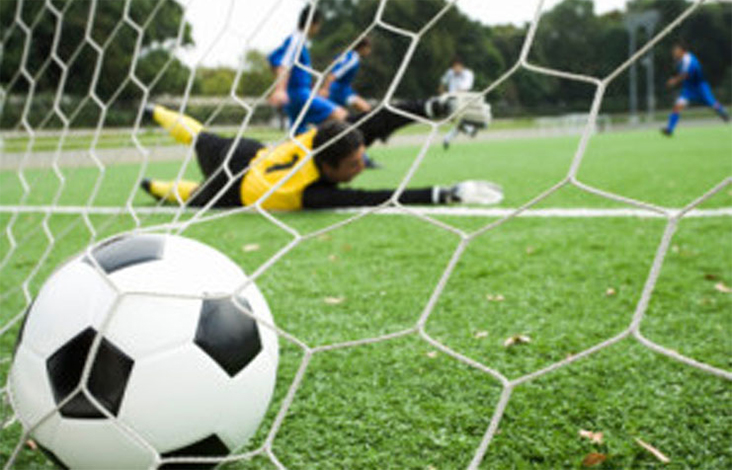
184 217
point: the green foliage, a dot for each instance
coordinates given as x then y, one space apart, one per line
571 36
119 41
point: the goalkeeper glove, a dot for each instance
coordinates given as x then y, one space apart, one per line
473 110
440 106
468 192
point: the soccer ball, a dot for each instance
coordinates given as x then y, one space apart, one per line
176 368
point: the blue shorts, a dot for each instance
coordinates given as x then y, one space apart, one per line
341 93
701 93
319 110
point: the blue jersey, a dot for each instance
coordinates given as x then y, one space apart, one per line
690 65
346 68
286 55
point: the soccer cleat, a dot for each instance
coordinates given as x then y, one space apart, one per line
665 131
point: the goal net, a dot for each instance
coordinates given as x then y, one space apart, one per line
74 149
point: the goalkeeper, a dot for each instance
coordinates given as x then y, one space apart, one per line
256 169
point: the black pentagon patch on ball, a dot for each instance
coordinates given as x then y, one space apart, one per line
211 446
53 458
227 335
107 381
127 250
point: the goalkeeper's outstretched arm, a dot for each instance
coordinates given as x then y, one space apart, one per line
325 196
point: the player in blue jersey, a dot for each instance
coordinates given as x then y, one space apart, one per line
290 62
337 86
694 88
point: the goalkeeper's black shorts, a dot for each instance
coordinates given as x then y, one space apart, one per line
211 153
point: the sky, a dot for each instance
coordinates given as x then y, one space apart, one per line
223 29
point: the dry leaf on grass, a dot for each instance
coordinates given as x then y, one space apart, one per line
480 334
432 354
595 437
721 287
656 453
495 298
332 258
516 339
593 458
31 444
250 247
610 292
334 300
530 250
711 277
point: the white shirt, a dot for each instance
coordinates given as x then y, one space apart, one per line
454 82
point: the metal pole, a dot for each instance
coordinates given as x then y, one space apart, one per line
633 88
650 79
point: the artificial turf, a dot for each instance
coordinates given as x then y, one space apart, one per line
567 284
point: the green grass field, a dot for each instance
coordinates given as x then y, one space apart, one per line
401 404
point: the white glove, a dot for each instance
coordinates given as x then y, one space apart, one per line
472 109
470 192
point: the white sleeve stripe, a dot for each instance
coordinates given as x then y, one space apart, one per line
685 63
352 62
288 57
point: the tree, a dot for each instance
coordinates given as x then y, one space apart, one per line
454 34
108 30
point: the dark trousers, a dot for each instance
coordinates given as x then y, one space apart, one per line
211 153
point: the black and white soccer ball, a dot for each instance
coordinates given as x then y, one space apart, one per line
179 371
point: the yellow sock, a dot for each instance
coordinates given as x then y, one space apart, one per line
167 190
183 128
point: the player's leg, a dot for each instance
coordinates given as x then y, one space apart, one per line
451 134
181 127
673 119
211 154
215 156
359 104
319 110
709 99
211 151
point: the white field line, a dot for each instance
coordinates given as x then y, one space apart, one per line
557 212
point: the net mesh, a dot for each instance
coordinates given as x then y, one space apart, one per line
182 219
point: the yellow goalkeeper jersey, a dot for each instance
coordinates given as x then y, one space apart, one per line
270 165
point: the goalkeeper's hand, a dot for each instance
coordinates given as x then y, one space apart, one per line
469 192
472 108
462 106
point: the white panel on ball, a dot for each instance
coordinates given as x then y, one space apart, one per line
109 446
72 299
170 391
188 267
143 325
29 389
